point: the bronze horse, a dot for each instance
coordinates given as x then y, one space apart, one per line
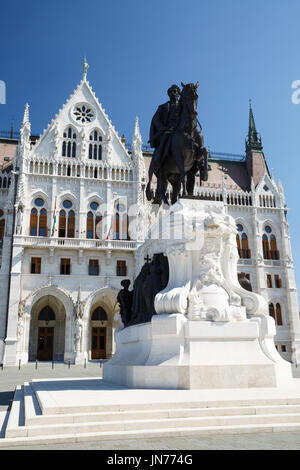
186 155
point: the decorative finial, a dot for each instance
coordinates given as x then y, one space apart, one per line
85 68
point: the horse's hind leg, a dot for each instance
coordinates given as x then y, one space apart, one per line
191 178
176 184
180 164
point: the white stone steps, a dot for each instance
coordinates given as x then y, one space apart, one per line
146 434
28 424
156 424
15 424
33 415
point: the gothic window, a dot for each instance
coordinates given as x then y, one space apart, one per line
269 244
66 225
278 314
273 246
95 146
62 224
38 219
47 314
265 246
120 226
99 314
69 143
275 312
33 222
269 281
272 310
93 222
2 227
43 223
278 281
242 243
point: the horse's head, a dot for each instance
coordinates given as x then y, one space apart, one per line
189 91
188 100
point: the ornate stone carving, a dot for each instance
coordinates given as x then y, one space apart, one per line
206 285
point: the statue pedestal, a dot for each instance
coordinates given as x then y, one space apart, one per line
209 332
173 352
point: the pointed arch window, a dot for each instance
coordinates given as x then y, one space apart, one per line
242 243
276 313
46 314
272 310
66 225
120 226
38 219
94 222
95 145
69 143
33 222
273 246
99 314
43 223
265 246
269 244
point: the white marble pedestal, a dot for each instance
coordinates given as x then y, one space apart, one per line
209 332
173 352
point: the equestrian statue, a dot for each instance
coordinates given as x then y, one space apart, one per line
179 146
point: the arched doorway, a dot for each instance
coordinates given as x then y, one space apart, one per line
47 330
99 333
46 323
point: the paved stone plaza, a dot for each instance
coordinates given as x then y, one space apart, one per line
12 376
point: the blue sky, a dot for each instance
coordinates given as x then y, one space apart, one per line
137 48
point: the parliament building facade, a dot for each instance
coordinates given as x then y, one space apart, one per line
62 261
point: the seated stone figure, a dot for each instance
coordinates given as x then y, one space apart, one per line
137 306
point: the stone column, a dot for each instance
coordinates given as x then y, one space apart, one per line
10 355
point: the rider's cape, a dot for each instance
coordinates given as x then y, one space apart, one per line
158 124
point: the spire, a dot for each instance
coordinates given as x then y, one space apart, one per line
26 128
254 140
137 138
26 114
85 68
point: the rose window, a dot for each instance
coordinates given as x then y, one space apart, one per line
83 113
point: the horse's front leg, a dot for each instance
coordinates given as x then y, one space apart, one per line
162 184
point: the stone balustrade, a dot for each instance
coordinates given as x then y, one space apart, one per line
74 243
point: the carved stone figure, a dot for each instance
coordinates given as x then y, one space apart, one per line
78 333
20 328
19 221
124 299
137 306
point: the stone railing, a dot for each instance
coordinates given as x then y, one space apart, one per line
75 243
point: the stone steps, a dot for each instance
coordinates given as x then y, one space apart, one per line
28 425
